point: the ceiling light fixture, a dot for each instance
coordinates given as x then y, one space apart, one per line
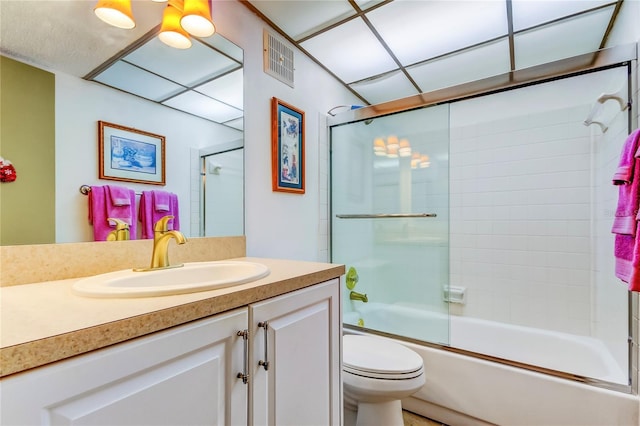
115 12
181 18
171 33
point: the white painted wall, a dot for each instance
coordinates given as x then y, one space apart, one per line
279 225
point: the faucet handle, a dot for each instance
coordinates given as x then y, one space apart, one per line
120 224
162 225
352 278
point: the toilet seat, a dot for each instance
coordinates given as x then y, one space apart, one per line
375 358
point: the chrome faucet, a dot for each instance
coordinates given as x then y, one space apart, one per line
161 237
354 295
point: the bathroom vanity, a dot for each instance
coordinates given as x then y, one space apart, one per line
265 352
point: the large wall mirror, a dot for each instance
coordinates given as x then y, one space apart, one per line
63 70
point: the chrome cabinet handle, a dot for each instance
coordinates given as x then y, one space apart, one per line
244 375
265 363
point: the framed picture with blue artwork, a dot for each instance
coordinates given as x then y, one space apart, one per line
287 147
130 155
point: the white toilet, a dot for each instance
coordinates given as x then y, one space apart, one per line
377 374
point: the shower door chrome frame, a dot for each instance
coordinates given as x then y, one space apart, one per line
623 55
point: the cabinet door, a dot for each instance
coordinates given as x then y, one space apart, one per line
301 385
176 377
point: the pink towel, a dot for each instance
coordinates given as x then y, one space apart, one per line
120 196
101 208
125 209
625 225
161 201
148 214
626 178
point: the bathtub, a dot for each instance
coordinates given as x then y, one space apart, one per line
466 390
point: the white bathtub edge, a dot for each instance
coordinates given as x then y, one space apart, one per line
462 390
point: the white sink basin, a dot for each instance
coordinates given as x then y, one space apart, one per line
190 278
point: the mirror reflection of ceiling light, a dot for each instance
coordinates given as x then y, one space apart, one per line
379 148
420 161
392 142
405 148
392 148
180 19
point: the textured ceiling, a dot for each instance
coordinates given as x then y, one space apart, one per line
66 35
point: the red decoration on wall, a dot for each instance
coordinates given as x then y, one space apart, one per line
7 171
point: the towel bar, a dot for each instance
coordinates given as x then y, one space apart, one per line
86 189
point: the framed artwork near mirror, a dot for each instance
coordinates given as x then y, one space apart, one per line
287 147
130 155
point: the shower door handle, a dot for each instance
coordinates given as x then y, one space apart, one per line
384 215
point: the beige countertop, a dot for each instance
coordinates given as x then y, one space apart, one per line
45 322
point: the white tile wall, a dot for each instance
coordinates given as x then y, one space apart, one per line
522 186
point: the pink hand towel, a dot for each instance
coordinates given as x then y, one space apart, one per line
124 212
161 201
626 177
148 215
120 196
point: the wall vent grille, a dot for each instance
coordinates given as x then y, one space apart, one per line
278 58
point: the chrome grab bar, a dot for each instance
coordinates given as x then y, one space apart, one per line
384 215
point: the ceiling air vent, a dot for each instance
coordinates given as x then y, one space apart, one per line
278 58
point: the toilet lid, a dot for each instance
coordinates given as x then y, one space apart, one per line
379 357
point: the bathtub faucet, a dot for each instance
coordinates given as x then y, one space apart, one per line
354 295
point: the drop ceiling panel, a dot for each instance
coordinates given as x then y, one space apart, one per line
183 66
570 37
301 18
225 46
528 13
351 51
488 60
419 30
236 123
132 79
394 85
366 4
203 106
227 89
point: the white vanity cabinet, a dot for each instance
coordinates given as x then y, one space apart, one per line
192 374
298 337
180 376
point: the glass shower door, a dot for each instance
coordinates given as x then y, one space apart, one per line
390 221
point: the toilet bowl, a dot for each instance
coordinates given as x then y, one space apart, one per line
377 374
